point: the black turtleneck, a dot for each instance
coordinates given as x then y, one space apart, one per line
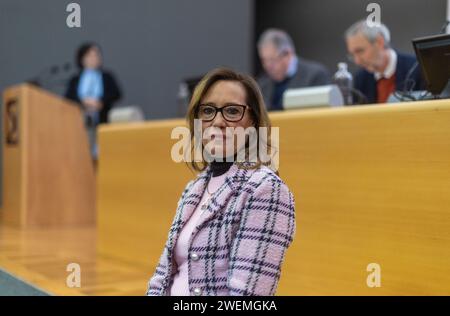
219 168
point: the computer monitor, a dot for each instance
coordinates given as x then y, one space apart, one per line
433 55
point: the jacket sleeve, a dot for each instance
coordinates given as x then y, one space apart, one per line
266 230
156 284
71 90
112 92
321 77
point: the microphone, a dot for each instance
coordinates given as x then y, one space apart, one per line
444 27
48 73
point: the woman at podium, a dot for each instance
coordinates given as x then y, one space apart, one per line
235 221
94 88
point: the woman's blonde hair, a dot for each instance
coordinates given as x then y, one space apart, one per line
254 100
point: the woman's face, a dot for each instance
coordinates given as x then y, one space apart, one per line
92 59
232 95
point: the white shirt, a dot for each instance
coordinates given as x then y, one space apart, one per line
293 65
390 68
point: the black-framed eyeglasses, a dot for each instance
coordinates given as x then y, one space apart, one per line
230 112
274 59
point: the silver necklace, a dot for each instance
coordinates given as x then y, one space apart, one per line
204 206
207 188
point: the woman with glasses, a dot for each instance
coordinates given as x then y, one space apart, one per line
235 221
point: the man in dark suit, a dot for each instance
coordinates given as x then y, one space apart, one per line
384 70
284 69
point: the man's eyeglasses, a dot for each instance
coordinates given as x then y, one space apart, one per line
358 52
230 112
273 60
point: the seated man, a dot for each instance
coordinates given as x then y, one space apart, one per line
384 69
284 69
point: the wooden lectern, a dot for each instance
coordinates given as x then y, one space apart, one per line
48 175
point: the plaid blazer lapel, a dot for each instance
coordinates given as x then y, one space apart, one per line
217 202
193 198
220 198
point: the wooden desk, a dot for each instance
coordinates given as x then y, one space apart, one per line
371 185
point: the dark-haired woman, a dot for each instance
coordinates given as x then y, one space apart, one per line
94 88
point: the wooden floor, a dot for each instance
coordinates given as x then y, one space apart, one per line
40 257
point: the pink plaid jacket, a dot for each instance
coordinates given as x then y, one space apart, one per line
239 244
